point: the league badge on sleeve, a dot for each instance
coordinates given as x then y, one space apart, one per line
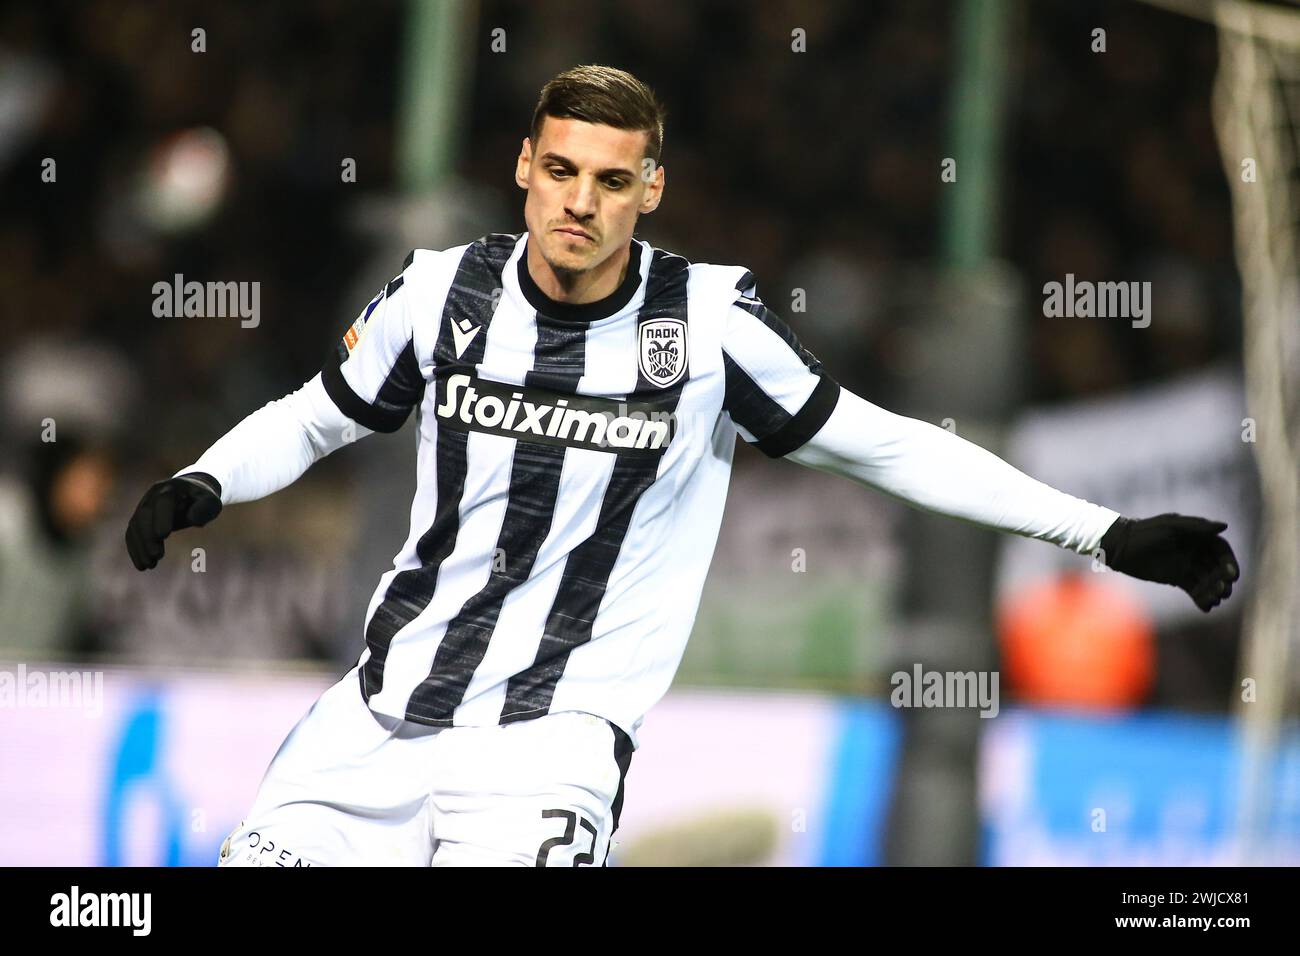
662 351
352 337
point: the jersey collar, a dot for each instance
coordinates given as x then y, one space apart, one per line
587 311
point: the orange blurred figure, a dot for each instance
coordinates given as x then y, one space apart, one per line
1077 641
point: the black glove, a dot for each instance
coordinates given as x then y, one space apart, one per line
186 501
1174 549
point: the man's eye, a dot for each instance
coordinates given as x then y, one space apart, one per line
557 173
615 183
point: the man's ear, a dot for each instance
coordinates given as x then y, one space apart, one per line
654 191
523 164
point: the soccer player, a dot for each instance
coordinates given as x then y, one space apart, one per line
578 394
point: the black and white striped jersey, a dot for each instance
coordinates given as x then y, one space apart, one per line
572 464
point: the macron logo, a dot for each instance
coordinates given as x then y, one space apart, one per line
463 331
103 909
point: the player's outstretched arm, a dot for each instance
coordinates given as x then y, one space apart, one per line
934 469
265 452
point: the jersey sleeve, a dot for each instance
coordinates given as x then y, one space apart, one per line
933 469
373 374
777 393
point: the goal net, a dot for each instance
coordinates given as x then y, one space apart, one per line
1256 109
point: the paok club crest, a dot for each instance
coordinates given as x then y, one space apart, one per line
662 350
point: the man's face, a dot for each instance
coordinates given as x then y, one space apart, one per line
586 186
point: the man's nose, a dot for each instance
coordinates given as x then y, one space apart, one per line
581 201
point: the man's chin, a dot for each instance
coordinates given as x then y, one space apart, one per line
565 260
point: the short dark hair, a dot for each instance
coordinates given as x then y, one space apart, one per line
605 95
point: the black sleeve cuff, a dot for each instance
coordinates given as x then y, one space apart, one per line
356 408
808 422
204 479
1115 539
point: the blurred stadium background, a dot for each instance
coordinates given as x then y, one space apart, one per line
807 141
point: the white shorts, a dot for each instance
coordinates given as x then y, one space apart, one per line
352 787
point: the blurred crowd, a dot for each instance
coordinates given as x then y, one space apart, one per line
817 170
